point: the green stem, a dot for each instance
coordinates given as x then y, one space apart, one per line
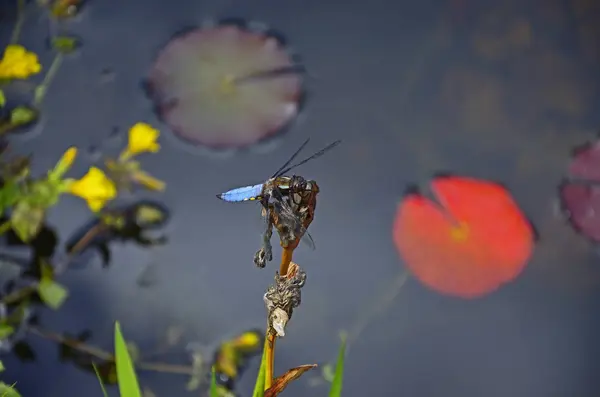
40 91
20 17
18 295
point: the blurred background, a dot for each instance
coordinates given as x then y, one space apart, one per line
501 90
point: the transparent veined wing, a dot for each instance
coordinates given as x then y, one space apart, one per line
292 219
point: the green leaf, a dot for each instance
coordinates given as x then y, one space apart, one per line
128 383
2 366
2 99
104 392
9 194
213 384
259 386
52 293
27 220
6 331
336 384
8 390
65 44
22 115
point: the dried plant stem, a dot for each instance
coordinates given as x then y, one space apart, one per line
104 355
18 295
80 245
22 293
286 259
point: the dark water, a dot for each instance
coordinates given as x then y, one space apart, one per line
498 90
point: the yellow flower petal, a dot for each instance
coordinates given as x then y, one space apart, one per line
18 63
95 187
95 205
142 138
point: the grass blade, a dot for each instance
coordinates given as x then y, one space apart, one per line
336 385
259 386
128 383
104 392
213 384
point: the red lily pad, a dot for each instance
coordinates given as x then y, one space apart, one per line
467 244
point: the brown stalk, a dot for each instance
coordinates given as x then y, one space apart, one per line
284 265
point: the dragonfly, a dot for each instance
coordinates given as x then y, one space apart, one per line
283 194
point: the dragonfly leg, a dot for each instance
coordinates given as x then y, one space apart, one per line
265 253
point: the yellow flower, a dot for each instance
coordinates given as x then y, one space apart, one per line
142 138
95 188
65 163
18 63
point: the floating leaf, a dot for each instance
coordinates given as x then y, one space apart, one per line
259 386
65 44
281 382
2 99
128 383
338 378
580 196
2 366
582 203
468 242
8 390
52 293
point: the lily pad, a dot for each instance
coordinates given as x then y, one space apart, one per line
580 192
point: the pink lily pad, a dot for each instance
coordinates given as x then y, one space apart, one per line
586 162
582 203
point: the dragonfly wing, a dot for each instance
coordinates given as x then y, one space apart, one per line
291 218
308 240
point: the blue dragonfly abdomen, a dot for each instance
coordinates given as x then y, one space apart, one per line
246 193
